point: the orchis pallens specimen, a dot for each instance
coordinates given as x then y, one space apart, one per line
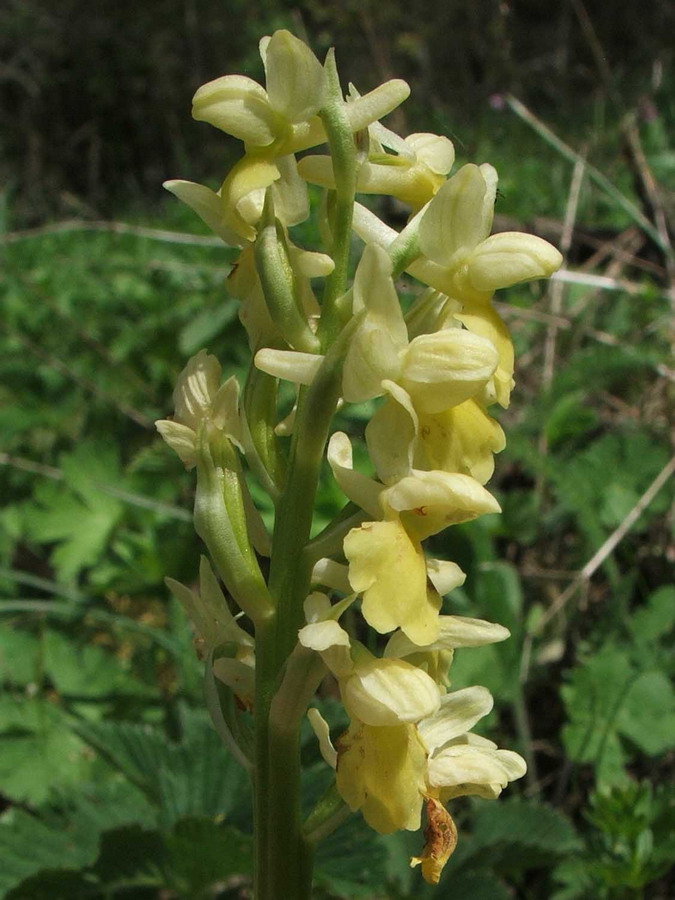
271 639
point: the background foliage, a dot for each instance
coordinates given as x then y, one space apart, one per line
111 778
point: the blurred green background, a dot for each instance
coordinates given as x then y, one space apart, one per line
112 782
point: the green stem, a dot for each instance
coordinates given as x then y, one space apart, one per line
329 541
283 853
343 152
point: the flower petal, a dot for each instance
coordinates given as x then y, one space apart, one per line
444 575
322 732
207 204
460 439
380 771
389 692
483 320
436 151
361 490
331 641
294 77
195 389
458 217
458 713
373 354
181 439
464 767
446 368
238 105
430 501
388 568
454 632
391 433
372 106
291 365
511 258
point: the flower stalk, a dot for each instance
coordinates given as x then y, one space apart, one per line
271 628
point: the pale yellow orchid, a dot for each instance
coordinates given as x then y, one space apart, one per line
274 123
235 209
380 760
413 173
462 261
387 565
401 723
437 370
200 398
462 438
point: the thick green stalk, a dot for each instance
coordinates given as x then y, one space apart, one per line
283 853
343 153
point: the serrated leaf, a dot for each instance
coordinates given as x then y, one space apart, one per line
138 751
203 853
193 777
526 823
38 751
352 862
27 846
79 517
607 699
86 670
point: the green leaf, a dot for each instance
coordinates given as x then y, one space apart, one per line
569 418
27 846
38 751
193 777
618 501
608 699
203 853
532 827
85 670
79 520
138 751
647 717
19 657
352 862
655 621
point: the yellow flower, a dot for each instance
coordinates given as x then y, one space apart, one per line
413 173
462 261
461 438
284 114
386 559
274 123
200 398
380 760
437 370
403 730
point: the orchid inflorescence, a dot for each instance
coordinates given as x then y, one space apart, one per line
435 372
